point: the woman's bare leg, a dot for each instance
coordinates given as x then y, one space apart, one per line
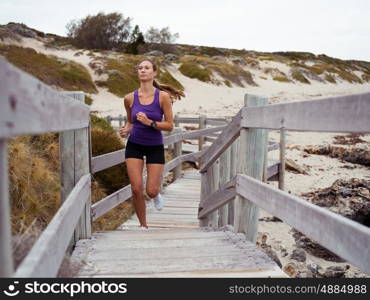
153 181
135 172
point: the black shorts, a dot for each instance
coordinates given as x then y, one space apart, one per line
153 154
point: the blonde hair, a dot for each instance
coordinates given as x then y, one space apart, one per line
174 93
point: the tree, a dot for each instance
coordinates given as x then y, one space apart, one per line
136 39
163 36
102 31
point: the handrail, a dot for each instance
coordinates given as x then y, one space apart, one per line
335 114
48 252
351 242
346 238
227 136
35 108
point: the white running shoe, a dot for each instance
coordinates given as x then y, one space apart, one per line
158 202
143 228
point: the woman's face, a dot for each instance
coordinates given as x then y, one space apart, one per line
145 71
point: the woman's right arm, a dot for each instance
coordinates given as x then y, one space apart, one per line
125 130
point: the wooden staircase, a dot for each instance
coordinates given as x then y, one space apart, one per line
174 245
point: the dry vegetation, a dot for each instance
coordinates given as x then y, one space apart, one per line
51 70
201 67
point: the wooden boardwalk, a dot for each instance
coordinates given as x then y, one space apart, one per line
174 245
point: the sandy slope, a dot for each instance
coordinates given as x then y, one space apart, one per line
203 98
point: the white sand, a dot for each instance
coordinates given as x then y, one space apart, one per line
203 98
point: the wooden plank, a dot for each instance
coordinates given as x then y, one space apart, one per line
268 272
189 211
228 135
46 255
6 257
214 135
209 139
253 148
105 161
134 266
346 238
335 114
175 243
28 106
272 169
215 122
180 203
194 134
182 158
106 204
117 236
185 120
172 164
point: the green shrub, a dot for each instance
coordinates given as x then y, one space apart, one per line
297 75
281 79
88 100
330 78
231 72
105 140
126 80
268 58
228 83
166 78
192 70
365 77
99 122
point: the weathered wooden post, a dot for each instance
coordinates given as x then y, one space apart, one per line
223 211
109 119
205 188
169 146
233 163
176 121
120 119
6 256
75 149
209 182
253 144
177 152
265 161
282 159
215 183
202 125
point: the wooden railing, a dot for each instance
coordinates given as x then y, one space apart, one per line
27 106
240 190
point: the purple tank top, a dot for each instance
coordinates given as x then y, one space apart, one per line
143 134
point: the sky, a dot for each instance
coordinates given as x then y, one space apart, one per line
338 28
